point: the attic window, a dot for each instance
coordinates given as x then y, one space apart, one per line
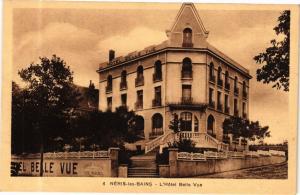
187 38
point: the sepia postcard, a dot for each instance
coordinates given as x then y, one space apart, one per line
149 97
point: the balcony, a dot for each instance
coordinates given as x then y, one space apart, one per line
212 78
211 104
236 91
236 113
227 109
227 86
138 105
220 82
156 132
108 89
157 77
220 107
187 44
186 74
245 94
186 100
156 102
123 85
139 81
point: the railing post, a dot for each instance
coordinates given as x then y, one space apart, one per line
173 161
114 152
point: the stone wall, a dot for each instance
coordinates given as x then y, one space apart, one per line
190 168
70 167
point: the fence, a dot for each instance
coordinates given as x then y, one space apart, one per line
67 155
224 155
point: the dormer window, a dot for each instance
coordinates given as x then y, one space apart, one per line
187 38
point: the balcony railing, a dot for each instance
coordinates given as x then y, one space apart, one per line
211 104
186 100
123 85
227 86
187 45
220 82
156 132
138 105
245 94
227 109
139 81
236 90
212 78
220 107
156 102
108 89
236 113
187 74
157 77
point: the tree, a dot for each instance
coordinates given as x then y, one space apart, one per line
240 127
276 57
52 96
175 123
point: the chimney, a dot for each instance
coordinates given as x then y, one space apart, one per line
111 55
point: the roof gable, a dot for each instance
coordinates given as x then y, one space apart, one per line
188 17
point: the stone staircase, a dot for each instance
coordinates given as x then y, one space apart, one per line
143 166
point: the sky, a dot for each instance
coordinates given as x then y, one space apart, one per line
82 37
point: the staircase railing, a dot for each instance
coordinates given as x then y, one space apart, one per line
158 141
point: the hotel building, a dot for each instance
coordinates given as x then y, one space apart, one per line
183 75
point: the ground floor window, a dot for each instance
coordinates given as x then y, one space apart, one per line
210 125
157 125
186 123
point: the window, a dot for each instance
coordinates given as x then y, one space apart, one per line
139 121
220 81
140 76
186 118
187 38
227 84
219 104
211 125
157 96
244 110
139 103
196 124
109 84
226 104
244 89
123 84
211 73
235 108
157 76
157 125
109 103
124 99
236 89
187 69
186 93
211 102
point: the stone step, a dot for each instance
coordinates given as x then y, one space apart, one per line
143 172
